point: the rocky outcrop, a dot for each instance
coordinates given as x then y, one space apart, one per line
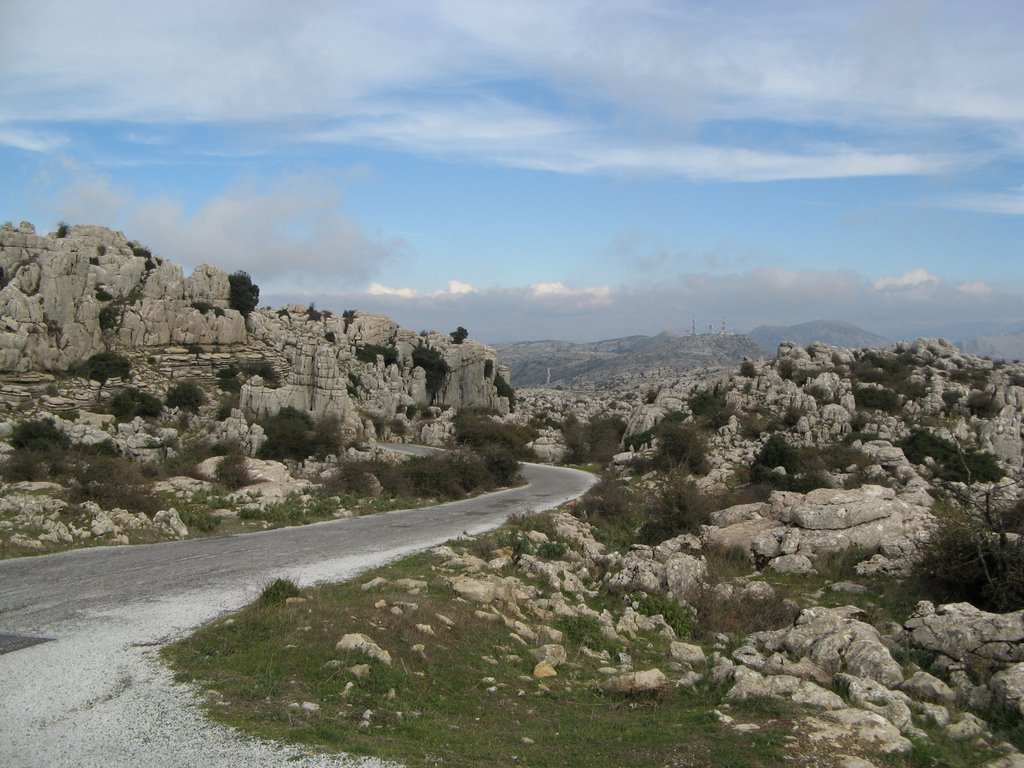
69 295
789 525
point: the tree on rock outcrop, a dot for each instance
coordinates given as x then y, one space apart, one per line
459 335
245 294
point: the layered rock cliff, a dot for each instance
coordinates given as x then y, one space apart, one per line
86 289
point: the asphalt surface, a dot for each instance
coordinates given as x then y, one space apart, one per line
95 694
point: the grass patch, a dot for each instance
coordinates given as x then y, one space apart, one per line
466 700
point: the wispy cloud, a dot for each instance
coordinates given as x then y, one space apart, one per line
289 230
30 140
1009 203
915 278
574 87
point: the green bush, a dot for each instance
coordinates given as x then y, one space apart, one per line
674 510
597 440
38 435
185 395
106 365
435 366
681 446
102 294
505 390
277 591
289 435
777 452
110 316
676 616
956 464
477 429
244 295
112 482
748 369
368 354
131 402
199 520
876 399
459 335
232 471
709 409
63 229
551 550
975 555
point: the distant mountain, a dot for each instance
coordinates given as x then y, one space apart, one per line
540 363
962 331
833 332
1005 346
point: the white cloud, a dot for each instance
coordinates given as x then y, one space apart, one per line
29 139
578 86
458 288
600 294
455 288
290 231
977 288
376 289
1009 203
915 278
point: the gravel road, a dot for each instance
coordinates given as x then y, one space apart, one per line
96 693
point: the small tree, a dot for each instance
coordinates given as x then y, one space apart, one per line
185 395
244 294
107 365
459 335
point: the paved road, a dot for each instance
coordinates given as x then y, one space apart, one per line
96 694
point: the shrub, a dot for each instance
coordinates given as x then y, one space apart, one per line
973 555
63 229
38 435
551 550
709 409
103 295
244 295
185 395
954 463
232 471
748 369
459 335
278 591
289 435
681 445
674 510
131 402
110 316
675 615
596 441
113 481
330 337
312 313
347 317
106 365
877 399
368 354
504 390
436 368
478 430
199 520
983 405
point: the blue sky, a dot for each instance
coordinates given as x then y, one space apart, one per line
574 170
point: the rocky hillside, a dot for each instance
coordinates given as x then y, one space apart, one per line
67 298
571 366
835 333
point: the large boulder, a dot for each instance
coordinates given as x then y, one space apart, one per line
963 632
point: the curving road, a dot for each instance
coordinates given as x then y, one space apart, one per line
95 694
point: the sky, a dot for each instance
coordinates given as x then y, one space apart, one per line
534 170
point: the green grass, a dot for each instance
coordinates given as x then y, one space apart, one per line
446 709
